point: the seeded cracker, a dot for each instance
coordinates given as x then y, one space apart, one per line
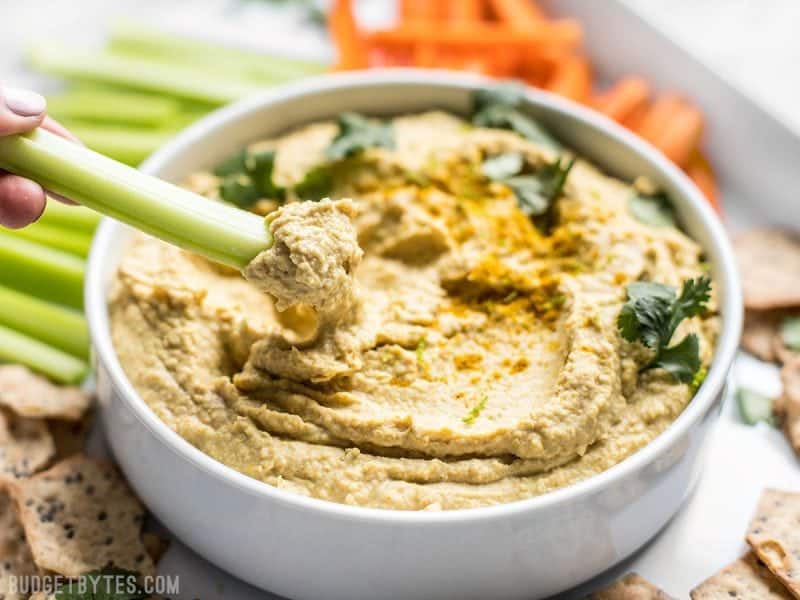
15 555
745 578
769 261
774 536
81 516
25 446
630 587
31 395
790 401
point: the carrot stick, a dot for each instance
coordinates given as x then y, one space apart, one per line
624 99
681 134
421 10
519 14
701 172
658 115
572 79
465 10
347 37
555 36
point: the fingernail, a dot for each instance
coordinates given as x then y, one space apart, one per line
24 102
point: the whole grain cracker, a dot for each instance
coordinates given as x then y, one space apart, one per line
26 446
769 261
744 578
774 536
15 555
31 395
70 436
80 516
630 587
790 403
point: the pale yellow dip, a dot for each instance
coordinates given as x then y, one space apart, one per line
474 361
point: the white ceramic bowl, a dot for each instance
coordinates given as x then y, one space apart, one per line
306 548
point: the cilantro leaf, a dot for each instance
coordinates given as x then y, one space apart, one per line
535 192
653 313
503 166
247 176
655 210
356 134
790 333
316 184
500 107
681 361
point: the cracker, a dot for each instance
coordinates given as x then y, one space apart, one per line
630 587
15 555
760 330
70 437
790 403
769 261
31 395
80 516
26 446
155 545
774 536
745 578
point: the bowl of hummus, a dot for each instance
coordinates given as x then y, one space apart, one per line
480 358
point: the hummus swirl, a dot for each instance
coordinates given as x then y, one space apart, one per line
423 345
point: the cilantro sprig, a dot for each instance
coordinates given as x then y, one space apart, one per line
655 210
535 191
652 314
357 133
500 107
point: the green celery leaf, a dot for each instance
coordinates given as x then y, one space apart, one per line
500 107
682 361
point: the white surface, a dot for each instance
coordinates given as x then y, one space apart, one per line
753 42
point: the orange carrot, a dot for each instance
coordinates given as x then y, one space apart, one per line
658 115
701 172
421 10
465 10
553 36
681 134
519 14
572 79
624 99
347 37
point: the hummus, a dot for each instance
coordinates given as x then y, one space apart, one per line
466 359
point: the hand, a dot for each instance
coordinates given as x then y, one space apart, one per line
22 201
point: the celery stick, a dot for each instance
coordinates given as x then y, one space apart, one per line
64 216
140 40
124 144
57 365
214 229
184 81
121 108
74 242
54 325
44 272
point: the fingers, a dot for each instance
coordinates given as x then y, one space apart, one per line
20 110
54 126
21 201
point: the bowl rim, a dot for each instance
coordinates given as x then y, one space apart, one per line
727 344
